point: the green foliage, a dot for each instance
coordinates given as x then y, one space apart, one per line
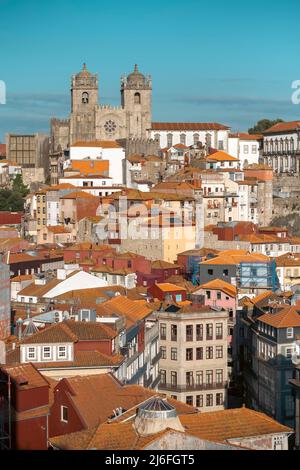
13 199
263 125
19 187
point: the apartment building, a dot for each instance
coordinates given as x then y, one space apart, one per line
193 364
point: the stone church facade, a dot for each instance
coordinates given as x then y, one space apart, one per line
91 121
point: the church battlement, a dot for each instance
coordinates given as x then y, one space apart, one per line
108 107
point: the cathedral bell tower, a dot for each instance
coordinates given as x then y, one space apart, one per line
136 97
84 99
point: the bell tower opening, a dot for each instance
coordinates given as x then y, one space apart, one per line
137 98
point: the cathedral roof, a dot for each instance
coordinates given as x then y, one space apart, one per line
136 76
84 72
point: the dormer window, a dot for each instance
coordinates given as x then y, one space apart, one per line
62 352
31 353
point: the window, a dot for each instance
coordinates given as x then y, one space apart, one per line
173 378
196 138
199 332
189 333
64 414
219 376
219 331
163 376
209 331
137 98
209 399
189 379
289 353
163 351
31 353
209 377
173 332
62 352
219 352
163 331
189 354
219 399
46 352
290 333
199 354
209 352
199 401
199 377
85 98
173 354
189 400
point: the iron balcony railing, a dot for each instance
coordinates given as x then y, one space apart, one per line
193 387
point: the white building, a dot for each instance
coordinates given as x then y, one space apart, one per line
168 134
245 147
109 151
281 147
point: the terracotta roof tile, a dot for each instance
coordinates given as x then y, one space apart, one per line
288 317
219 284
187 126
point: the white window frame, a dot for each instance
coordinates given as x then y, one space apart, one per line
62 414
28 352
290 333
65 352
43 352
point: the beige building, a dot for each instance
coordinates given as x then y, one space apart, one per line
32 153
193 367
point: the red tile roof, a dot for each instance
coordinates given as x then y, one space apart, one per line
10 218
283 127
187 126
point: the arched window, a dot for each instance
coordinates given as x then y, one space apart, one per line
85 98
208 140
157 138
137 98
196 138
182 139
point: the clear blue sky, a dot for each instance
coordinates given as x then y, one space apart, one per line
226 61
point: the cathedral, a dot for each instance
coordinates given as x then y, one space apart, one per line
90 120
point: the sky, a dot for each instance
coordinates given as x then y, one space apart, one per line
231 62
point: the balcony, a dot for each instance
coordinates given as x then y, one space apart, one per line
156 358
139 373
193 387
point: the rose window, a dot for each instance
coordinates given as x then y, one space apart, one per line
110 126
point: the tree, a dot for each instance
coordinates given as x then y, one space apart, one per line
19 187
263 125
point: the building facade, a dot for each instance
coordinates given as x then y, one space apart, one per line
193 366
91 121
